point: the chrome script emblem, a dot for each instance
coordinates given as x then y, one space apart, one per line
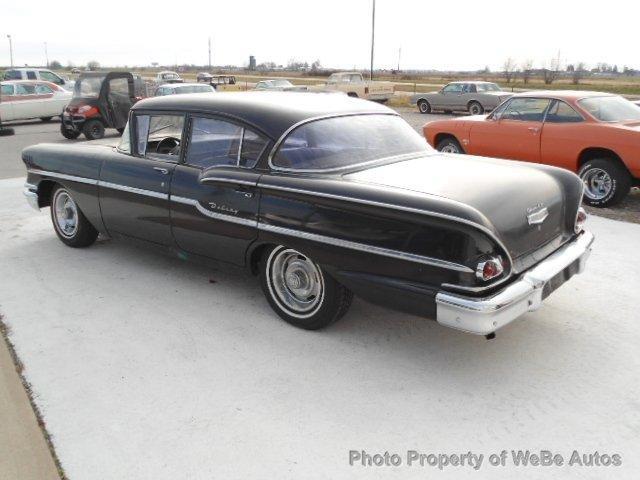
537 214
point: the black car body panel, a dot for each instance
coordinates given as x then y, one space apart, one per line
396 232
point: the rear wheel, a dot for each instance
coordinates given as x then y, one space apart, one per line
424 107
70 134
93 129
475 108
70 224
449 145
46 119
299 290
606 182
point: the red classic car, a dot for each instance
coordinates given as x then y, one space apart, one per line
596 135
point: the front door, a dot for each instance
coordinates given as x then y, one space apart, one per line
119 99
513 133
214 199
135 182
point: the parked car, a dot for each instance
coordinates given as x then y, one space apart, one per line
100 100
474 97
224 83
27 99
175 88
593 134
280 84
42 74
168 77
354 85
203 77
322 196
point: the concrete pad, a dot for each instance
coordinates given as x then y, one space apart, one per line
143 368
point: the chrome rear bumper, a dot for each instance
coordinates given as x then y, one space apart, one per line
483 316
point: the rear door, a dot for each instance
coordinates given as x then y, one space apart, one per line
135 181
214 198
513 133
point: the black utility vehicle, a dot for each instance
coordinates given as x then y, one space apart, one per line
100 100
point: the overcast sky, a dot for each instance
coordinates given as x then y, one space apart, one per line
443 35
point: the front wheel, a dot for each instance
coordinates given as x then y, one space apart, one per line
299 290
449 145
69 134
424 107
606 182
70 224
93 129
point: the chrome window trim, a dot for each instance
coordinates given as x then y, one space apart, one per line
364 247
283 137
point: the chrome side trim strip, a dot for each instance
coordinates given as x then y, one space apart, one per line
228 180
138 191
364 248
215 215
63 176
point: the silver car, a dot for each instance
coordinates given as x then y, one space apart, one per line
474 97
279 84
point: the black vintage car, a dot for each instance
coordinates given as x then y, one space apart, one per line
323 195
100 100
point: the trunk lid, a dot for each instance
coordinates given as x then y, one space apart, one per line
504 192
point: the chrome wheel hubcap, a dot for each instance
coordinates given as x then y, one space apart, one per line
450 148
296 283
597 183
66 214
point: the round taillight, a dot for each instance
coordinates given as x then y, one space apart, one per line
489 268
581 218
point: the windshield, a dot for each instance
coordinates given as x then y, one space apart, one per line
610 109
350 140
88 87
488 87
195 89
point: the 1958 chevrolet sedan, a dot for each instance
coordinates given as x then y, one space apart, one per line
323 196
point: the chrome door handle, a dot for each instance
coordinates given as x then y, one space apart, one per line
164 171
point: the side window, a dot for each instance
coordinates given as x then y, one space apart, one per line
118 87
526 109
218 143
355 78
43 89
51 77
453 88
159 136
31 75
125 141
7 89
22 89
12 75
560 112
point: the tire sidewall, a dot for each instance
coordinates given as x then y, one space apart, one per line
477 105
85 233
88 127
424 107
611 197
449 141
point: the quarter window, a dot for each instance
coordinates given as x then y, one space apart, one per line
43 89
218 143
526 109
159 136
12 75
560 112
7 89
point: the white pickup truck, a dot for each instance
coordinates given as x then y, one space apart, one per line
354 85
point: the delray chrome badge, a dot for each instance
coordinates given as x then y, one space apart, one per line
537 214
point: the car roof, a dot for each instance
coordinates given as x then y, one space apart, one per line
564 94
272 112
471 81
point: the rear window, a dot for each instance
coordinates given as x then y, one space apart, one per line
340 142
611 109
12 75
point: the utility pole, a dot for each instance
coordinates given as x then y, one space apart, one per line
399 54
10 49
373 36
46 54
209 54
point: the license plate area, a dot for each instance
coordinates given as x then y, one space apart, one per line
559 278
